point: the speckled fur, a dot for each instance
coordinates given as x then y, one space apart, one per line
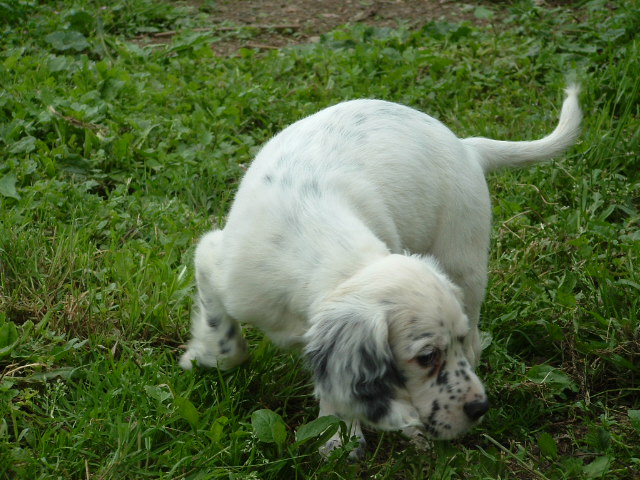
361 235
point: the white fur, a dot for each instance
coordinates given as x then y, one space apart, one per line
361 234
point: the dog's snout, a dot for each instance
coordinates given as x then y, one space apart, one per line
476 408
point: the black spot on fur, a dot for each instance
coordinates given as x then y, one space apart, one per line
214 322
310 188
231 332
433 433
435 406
373 375
443 376
376 384
431 419
278 240
360 119
224 346
319 361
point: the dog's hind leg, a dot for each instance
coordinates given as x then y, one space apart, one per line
217 339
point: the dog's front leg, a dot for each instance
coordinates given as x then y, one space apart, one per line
335 441
217 339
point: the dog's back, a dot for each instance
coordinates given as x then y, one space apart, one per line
362 178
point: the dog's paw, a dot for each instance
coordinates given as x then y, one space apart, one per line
188 359
335 442
326 449
199 357
204 358
417 438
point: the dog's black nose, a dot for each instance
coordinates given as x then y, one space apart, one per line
476 409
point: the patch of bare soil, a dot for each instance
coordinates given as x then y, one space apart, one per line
308 19
271 24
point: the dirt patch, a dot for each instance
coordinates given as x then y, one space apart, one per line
272 24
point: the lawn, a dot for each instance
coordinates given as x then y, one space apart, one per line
115 157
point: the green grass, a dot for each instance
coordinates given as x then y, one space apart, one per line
115 158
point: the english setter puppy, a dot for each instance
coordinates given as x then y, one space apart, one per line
361 235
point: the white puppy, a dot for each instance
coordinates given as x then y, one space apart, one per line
361 234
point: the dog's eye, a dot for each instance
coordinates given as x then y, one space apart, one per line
428 359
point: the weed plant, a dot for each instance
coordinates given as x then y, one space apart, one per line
116 157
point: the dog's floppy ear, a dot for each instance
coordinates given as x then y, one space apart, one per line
353 366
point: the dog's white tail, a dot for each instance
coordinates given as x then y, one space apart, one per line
494 154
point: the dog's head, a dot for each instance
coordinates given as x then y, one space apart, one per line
387 347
